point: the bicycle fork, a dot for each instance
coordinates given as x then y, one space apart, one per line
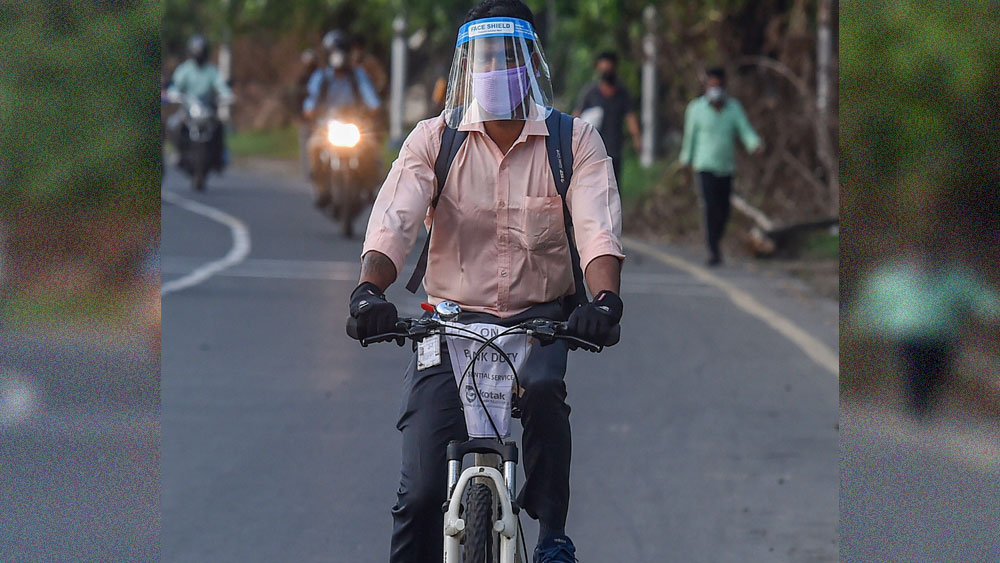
458 480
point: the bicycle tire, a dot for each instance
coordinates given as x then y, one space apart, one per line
478 516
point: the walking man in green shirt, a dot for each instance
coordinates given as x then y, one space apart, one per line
711 124
918 306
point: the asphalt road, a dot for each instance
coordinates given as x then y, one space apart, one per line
79 448
705 436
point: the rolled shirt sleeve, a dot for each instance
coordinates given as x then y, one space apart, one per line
593 198
403 201
748 136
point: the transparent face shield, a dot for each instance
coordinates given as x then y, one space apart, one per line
498 73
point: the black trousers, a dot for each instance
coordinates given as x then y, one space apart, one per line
432 416
715 193
927 364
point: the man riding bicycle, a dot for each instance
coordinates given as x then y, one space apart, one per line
499 247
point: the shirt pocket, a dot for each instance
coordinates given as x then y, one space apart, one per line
540 224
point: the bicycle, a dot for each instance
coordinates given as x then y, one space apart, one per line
482 518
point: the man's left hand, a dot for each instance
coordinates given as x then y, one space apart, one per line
593 322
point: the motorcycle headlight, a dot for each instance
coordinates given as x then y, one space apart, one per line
342 134
197 111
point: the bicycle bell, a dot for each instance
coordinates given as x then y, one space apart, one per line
447 310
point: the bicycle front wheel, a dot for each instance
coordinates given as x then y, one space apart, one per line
478 517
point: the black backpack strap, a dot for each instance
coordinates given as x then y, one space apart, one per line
451 141
559 145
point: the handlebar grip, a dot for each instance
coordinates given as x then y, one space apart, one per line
399 336
352 328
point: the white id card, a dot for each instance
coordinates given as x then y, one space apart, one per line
429 352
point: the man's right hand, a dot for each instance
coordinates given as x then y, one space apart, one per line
374 314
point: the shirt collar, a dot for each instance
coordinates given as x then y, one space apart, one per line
531 127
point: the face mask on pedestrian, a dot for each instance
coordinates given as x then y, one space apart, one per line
338 59
609 76
715 94
500 91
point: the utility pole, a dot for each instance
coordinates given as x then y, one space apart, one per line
397 81
824 57
648 88
226 57
225 50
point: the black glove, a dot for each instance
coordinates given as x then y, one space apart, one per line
375 315
593 322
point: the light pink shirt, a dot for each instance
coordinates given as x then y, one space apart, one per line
499 242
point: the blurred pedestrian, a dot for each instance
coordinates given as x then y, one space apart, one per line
918 305
712 123
607 105
309 63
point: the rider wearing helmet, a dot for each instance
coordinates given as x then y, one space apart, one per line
337 89
338 84
198 78
499 248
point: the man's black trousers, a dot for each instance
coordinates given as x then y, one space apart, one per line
715 193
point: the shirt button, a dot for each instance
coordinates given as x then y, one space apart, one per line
503 204
503 273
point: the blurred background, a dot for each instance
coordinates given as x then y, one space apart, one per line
79 282
919 275
919 166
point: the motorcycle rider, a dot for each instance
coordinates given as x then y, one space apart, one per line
337 90
198 78
498 248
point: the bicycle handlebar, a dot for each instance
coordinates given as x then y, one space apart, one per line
545 330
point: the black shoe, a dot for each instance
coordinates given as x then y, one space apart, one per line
555 548
713 260
322 200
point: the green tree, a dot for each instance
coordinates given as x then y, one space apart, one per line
919 125
79 118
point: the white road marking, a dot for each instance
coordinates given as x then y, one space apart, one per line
236 254
813 348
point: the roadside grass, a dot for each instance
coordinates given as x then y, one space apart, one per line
94 309
820 246
280 143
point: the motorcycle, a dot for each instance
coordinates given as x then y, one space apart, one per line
344 169
200 139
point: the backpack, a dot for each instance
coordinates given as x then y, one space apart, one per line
559 145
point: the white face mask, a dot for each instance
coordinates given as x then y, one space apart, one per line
715 94
337 59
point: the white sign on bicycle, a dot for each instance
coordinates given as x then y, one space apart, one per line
492 376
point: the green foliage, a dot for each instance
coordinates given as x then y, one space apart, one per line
636 181
920 113
79 123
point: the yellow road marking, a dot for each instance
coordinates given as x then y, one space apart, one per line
813 348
